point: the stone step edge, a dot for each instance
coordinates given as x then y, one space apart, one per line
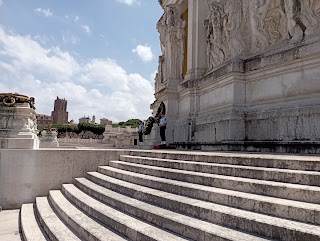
259 173
54 227
285 190
131 227
85 227
190 227
261 159
232 197
31 230
271 169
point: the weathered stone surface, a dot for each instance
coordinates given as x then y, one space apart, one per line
252 74
175 195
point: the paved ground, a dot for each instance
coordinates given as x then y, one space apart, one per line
9 225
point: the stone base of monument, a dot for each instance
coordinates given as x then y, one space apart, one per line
19 143
302 147
18 128
151 140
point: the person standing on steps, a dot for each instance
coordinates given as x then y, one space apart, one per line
140 132
163 124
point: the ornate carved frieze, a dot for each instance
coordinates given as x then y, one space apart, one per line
244 28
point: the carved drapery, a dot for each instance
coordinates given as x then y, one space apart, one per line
172 35
248 27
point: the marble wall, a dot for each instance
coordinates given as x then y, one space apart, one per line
253 71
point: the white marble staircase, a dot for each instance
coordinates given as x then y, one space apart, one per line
171 195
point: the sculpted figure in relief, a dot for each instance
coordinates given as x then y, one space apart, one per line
310 16
159 75
294 23
275 22
268 23
217 50
232 27
256 11
172 34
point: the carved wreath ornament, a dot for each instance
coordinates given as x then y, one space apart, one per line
10 99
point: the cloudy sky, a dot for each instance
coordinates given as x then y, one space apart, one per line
100 55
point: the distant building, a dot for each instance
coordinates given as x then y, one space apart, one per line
44 120
84 120
105 122
59 113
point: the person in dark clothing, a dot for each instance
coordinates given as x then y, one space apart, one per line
140 132
163 124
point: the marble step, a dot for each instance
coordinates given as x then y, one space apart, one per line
261 187
130 227
294 162
51 223
30 227
187 226
268 226
85 226
269 174
167 193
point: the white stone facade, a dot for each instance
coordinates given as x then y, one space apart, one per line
252 70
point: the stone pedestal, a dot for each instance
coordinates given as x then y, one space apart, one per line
153 139
49 139
18 128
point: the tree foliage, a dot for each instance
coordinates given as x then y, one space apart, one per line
132 122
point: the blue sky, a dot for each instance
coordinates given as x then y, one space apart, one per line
100 55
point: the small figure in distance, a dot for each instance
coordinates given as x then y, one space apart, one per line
163 124
140 132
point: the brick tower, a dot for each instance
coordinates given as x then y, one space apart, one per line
59 113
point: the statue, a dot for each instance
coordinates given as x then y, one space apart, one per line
217 49
151 120
310 16
232 27
295 26
172 35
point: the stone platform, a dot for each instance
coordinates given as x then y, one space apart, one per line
179 195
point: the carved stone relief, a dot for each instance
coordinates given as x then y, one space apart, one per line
172 35
310 15
247 27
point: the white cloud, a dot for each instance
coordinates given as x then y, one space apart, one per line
86 28
1 2
72 18
94 87
44 12
144 52
69 38
129 2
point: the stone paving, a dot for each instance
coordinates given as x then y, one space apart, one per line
9 225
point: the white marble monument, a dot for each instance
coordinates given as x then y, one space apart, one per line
18 125
49 138
240 74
